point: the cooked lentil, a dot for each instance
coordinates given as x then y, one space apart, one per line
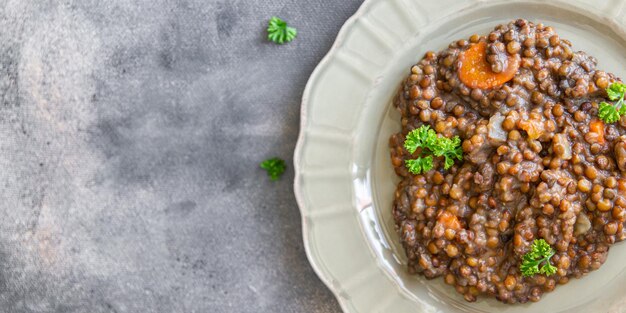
532 168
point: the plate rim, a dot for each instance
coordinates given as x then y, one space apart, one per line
301 142
345 29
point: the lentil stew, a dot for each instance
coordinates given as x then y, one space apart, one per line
537 163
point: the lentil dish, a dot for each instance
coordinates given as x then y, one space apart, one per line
537 163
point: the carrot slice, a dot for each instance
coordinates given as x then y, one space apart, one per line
475 71
597 127
449 220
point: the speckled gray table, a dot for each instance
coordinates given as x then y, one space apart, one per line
131 133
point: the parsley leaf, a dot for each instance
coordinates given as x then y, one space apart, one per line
540 252
275 167
611 113
422 137
279 32
616 91
420 165
431 145
450 149
608 112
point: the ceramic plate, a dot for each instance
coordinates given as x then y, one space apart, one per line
344 181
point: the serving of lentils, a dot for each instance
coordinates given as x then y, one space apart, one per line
532 166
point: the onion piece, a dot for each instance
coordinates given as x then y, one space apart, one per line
583 224
496 132
562 147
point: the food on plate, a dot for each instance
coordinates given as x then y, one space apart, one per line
512 159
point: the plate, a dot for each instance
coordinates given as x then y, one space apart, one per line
344 182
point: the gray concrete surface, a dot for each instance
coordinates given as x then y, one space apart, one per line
130 137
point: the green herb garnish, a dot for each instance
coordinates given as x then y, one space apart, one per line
611 113
431 144
450 149
616 91
420 165
275 167
540 252
279 32
422 137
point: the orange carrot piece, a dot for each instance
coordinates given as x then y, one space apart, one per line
449 220
475 71
597 126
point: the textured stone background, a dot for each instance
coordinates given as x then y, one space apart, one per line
131 133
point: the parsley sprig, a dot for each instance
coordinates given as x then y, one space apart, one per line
540 252
275 167
450 149
279 32
420 165
611 113
431 145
